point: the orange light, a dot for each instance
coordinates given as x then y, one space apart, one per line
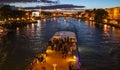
74 57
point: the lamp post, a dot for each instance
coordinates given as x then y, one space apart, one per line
54 66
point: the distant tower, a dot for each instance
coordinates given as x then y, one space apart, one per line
40 12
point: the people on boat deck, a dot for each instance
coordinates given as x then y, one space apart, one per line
40 58
62 45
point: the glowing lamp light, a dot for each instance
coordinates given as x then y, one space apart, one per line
32 18
74 58
1 30
48 51
18 18
23 18
9 18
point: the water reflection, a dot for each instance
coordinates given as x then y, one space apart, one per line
39 23
92 24
44 20
64 21
106 30
54 18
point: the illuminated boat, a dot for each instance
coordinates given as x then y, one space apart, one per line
61 54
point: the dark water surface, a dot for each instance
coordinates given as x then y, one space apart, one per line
99 46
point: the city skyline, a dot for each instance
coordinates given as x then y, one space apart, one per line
89 4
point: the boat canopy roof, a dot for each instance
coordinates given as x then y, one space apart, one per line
64 34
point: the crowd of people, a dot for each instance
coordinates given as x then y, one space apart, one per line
62 45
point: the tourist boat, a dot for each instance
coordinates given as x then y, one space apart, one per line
61 54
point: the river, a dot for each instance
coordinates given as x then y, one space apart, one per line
98 46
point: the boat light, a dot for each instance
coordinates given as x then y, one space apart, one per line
74 58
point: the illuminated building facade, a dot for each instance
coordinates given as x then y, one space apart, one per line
113 13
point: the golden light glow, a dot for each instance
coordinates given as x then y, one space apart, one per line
105 20
106 29
113 28
1 30
23 18
27 17
48 51
18 18
113 12
44 20
32 19
17 31
74 57
71 59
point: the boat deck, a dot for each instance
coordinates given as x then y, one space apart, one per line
54 59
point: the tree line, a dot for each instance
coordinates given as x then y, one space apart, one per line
7 12
98 14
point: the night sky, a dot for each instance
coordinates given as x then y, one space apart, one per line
88 3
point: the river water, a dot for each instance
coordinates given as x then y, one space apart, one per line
99 46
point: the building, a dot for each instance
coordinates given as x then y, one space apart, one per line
113 13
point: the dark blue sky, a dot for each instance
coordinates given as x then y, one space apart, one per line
88 3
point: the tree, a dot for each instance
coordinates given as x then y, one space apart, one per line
46 13
5 12
17 14
100 14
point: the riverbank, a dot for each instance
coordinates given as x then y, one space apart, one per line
115 25
11 24
112 25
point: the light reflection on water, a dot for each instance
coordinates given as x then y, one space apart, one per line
98 45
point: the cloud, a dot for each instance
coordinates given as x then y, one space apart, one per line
48 1
4 1
62 6
10 1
